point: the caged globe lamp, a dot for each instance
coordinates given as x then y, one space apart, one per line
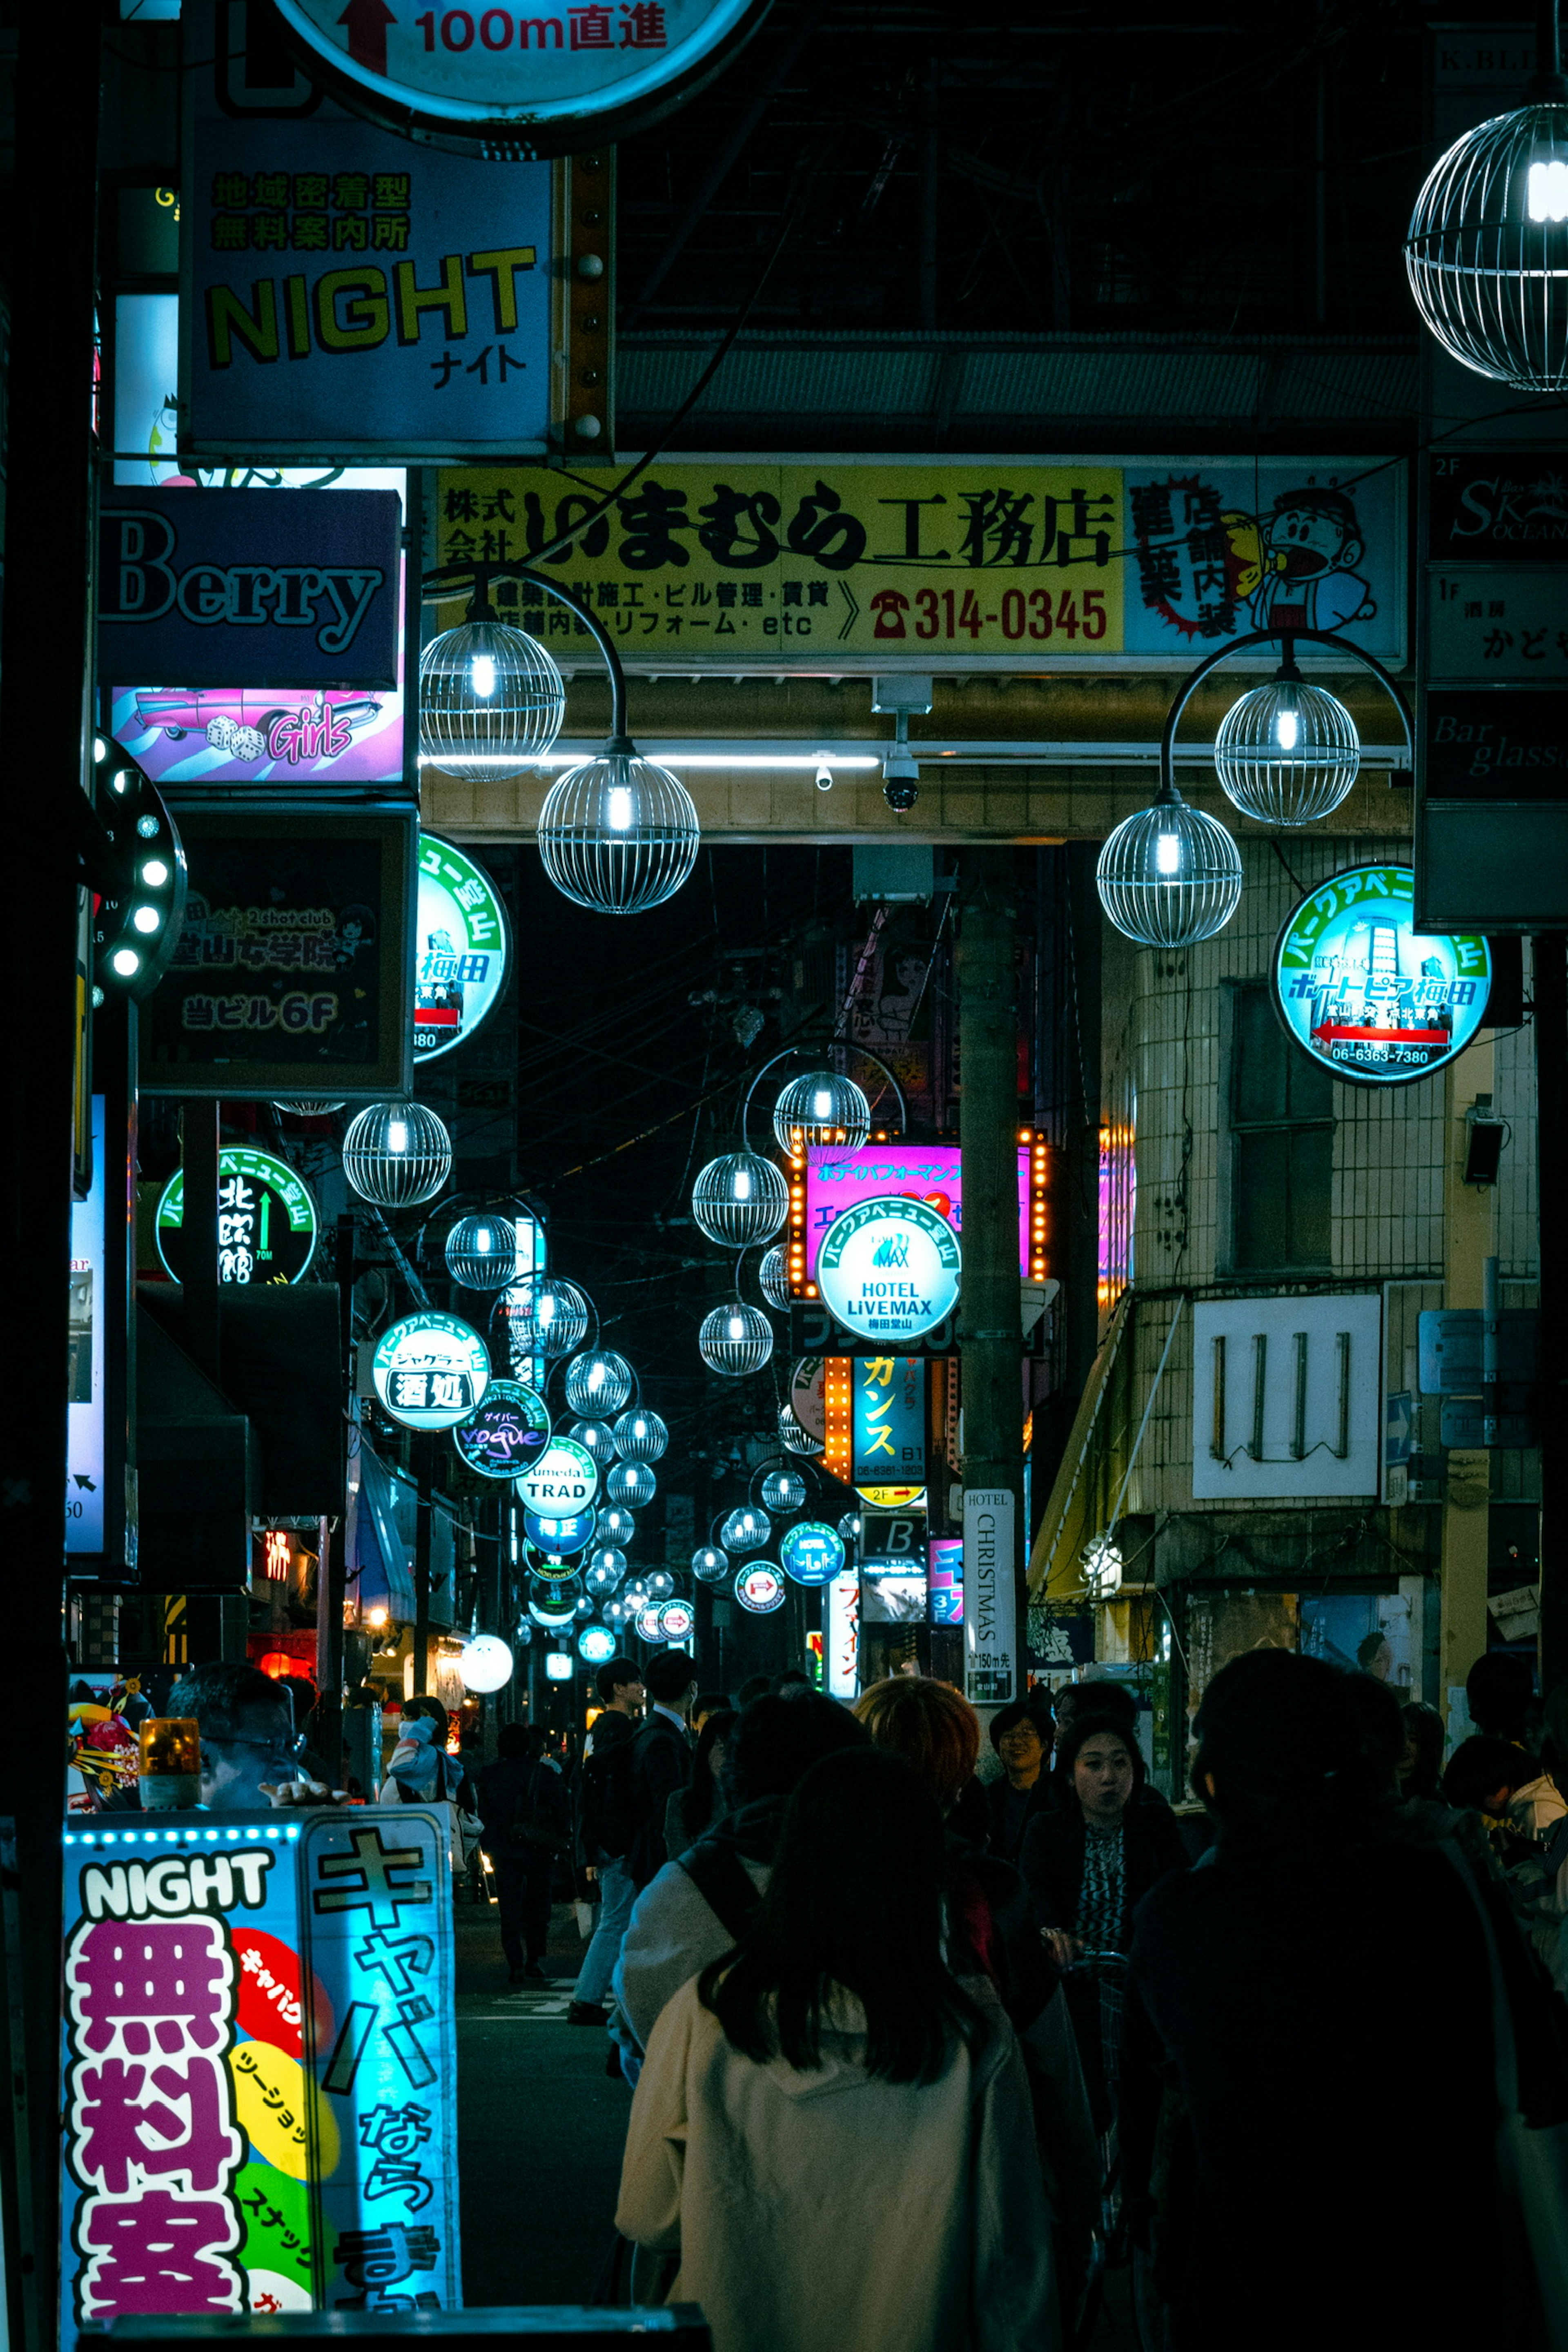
793 1433
549 1316
490 699
1487 249
594 1438
740 1200
481 1252
631 1484
598 1383
605 1571
617 1525
1287 751
396 1154
618 834
735 1340
745 1529
821 1108
640 1435
709 1565
1169 876
773 1277
783 1490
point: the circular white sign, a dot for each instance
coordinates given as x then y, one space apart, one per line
888 1269
586 70
486 1663
563 1482
460 955
430 1370
760 1588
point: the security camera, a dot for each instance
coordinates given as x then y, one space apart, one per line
901 781
823 773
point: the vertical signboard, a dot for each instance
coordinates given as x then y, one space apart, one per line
841 1635
990 1600
889 1421
85 1412
252 2077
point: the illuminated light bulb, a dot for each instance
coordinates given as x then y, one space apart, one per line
822 1104
482 676
396 1135
742 1186
147 826
737 1329
1167 855
618 809
1286 730
146 918
1547 190
121 780
155 873
125 961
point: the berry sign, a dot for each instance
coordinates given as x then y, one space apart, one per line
889 1268
526 84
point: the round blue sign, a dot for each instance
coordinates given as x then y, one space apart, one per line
812 1553
597 1645
561 1535
1365 993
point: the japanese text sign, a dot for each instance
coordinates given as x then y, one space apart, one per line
838 562
216 588
1497 506
85 1389
889 1421
248 2072
348 292
990 1596
932 1172
292 974
1363 992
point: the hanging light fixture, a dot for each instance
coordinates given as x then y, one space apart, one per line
783 1490
640 1435
794 1435
1169 876
617 1525
595 1438
1287 751
740 1200
746 1528
605 1571
618 834
308 1109
735 1340
615 1609
598 1383
396 1154
821 1108
633 1484
481 1252
1486 251
849 1527
709 1565
491 698
658 1584
774 1278
548 1317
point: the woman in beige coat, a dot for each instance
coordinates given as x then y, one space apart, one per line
836 2139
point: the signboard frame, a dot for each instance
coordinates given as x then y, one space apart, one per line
1467 947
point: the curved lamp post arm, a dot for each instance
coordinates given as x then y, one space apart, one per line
440 587
805 1052
1286 639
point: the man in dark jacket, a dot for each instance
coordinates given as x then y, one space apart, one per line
526 1817
661 1758
1021 1735
603 1836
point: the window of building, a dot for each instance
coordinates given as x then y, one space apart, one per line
1282 1144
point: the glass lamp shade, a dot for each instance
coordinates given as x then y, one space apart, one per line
709 1564
1287 752
548 1317
618 834
1170 876
821 1108
617 1525
783 1490
481 1252
596 1437
640 1436
605 1571
490 701
849 1527
794 1434
598 1383
774 1278
658 1584
615 1609
740 1200
1486 251
312 1109
486 1663
735 1340
633 1484
396 1154
745 1529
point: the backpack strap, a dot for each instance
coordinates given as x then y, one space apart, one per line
724 1882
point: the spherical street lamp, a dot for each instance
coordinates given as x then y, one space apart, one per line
617 1525
774 1278
490 701
486 1663
597 1438
548 1317
793 1433
821 1108
1287 751
598 1383
783 1490
640 1435
740 1200
735 1340
1170 876
709 1565
481 1252
618 834
605 1571
632 1484
1486 251
396 1154
746 1528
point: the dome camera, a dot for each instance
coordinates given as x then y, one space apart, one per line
901 781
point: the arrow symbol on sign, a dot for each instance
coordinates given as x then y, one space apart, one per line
367 21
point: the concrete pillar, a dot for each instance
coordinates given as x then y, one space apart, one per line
1469 1240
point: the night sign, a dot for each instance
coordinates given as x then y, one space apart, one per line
266 1219
811 1553
561 1482
1366 994
560 1536
760 1588
430 1370
506 1433
889 1268
461 957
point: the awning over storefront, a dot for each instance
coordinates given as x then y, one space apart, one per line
381 1537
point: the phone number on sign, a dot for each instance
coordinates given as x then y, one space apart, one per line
1031 613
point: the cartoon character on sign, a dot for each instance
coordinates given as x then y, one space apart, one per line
1307 551
1210 570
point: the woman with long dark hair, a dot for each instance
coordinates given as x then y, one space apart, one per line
693 1811
834 2134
